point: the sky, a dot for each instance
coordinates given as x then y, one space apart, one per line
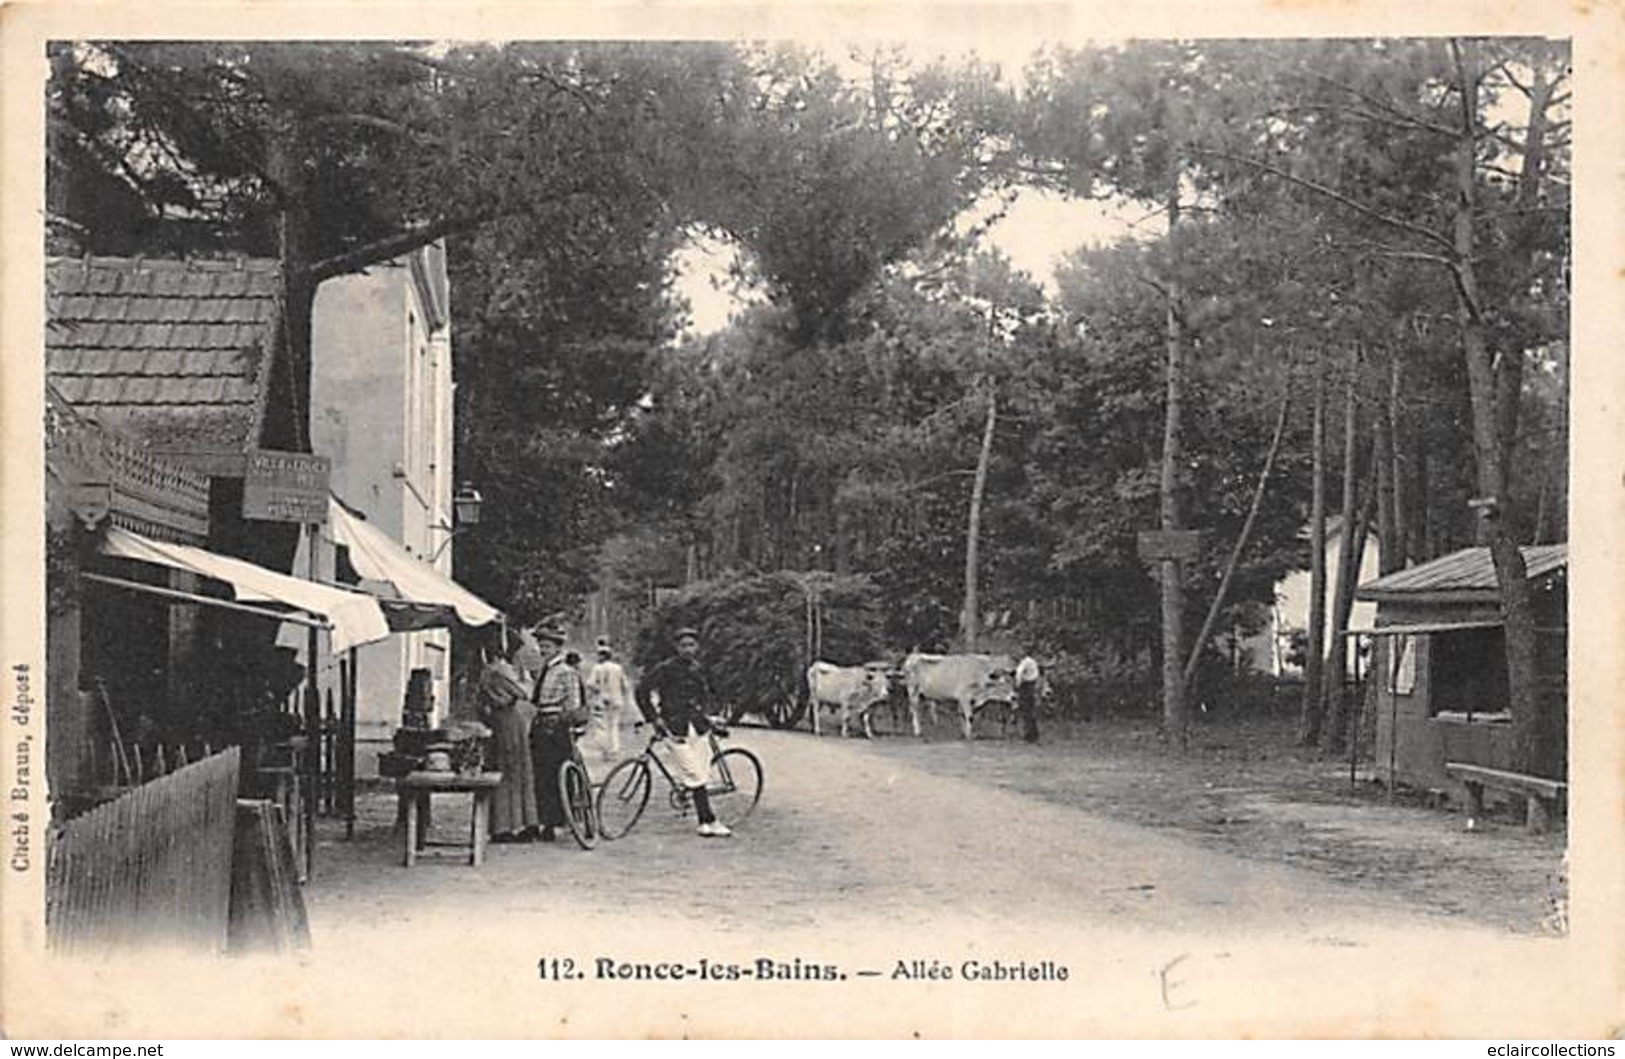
1036 234
1038 231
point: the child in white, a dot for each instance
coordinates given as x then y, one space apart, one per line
609 694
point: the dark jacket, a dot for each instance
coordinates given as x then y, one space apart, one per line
685 694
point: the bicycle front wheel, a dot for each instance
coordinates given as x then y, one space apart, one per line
622 798
735 784
575 794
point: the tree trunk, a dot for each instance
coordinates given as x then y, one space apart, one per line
1348 582
290 386
1541 502
1174 719
1390 550
1425 540
1351 549
970 619
1534 745
1230 565
1338 711
1315 650
1403 517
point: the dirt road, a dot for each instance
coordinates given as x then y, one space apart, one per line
865 867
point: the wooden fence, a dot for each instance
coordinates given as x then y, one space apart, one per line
152 867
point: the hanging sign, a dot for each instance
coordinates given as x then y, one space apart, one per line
1156 545
286 486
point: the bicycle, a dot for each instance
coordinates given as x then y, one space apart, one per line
576 795
734 784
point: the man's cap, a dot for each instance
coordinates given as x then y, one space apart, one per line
687 632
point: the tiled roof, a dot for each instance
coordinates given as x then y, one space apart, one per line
176 353
1469 570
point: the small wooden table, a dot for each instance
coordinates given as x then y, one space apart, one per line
413 791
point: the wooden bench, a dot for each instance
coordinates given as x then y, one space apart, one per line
413 791
1542 795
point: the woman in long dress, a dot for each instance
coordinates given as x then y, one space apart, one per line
505 707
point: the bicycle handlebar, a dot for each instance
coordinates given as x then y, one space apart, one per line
718 729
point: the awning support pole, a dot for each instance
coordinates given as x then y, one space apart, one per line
313 724
193 597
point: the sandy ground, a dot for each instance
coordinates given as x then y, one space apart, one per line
1105 890
1219 909
1245 789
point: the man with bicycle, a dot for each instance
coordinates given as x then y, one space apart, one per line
558 700
684 691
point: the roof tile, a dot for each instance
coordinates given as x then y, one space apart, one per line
209 310
198 362
85 334
242 310
208 390
231 284
238 391
167 282
72 387
103 390
138 281
155 335
165 362
171 350
101 281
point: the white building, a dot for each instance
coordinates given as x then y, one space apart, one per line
381 398
1268 651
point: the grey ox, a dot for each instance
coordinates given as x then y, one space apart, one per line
971 681
854 690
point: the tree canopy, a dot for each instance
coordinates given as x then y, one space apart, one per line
1384 222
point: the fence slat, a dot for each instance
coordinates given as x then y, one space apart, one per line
151 865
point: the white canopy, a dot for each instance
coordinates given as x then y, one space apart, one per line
376 557
353 618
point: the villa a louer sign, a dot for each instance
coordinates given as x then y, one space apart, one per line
286 486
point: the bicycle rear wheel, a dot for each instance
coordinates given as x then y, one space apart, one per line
575 793
622 798
735 784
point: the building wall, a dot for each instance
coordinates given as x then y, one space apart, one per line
1267 651
382 410
1413 742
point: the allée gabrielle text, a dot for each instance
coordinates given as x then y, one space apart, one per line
769 969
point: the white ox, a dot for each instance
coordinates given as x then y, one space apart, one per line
972 681
854 690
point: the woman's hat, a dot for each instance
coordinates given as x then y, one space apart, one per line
550 633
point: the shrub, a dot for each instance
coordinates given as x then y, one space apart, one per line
754 631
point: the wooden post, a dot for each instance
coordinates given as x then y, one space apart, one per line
1475 800
347 696
480 826
409 802
1537 817
313 721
